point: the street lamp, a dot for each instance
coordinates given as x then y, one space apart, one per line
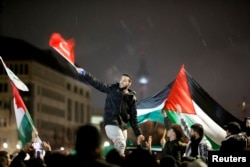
143 80
5 145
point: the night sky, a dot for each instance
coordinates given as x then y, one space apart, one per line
210 37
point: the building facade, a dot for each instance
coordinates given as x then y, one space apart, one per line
58 103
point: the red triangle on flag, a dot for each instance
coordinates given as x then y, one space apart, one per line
180 94
19 100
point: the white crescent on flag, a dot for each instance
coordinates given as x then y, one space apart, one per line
15 80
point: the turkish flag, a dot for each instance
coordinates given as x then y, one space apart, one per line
64 47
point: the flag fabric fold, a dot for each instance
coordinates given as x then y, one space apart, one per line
24 121
197 107
14 79
150 108
64 47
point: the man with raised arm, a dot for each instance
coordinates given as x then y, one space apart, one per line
120 108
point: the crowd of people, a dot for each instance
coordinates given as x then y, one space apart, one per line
88 152
88 149
120 110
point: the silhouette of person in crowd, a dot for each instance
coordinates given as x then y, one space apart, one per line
247 130
4 159
33 160
88 151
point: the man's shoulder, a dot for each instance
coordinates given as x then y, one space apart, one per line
115 85
205 141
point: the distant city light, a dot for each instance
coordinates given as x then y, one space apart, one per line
106 144
18 146
143 80
5 145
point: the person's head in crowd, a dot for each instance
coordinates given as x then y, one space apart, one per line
232 128
247 125
197 131
88 141
114 157
175 132
141 157
168 161
4 158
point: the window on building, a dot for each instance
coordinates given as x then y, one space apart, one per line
76 111
16 69
26 69
81 92
38 90
75 89
21 69
11 67
69 110
82 113
38 107
3 122
87 94
2 70
68 87
3 87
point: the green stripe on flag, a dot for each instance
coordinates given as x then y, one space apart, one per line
25 130
152 116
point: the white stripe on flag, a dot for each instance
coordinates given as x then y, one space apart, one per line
16 81
211 128
141 112
19 114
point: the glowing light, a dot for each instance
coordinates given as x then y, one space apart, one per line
143 80
106 144
18 146
5 145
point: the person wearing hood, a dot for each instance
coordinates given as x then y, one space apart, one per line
120 108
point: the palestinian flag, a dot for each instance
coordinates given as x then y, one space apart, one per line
197 107
13 78
150 108
24 122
